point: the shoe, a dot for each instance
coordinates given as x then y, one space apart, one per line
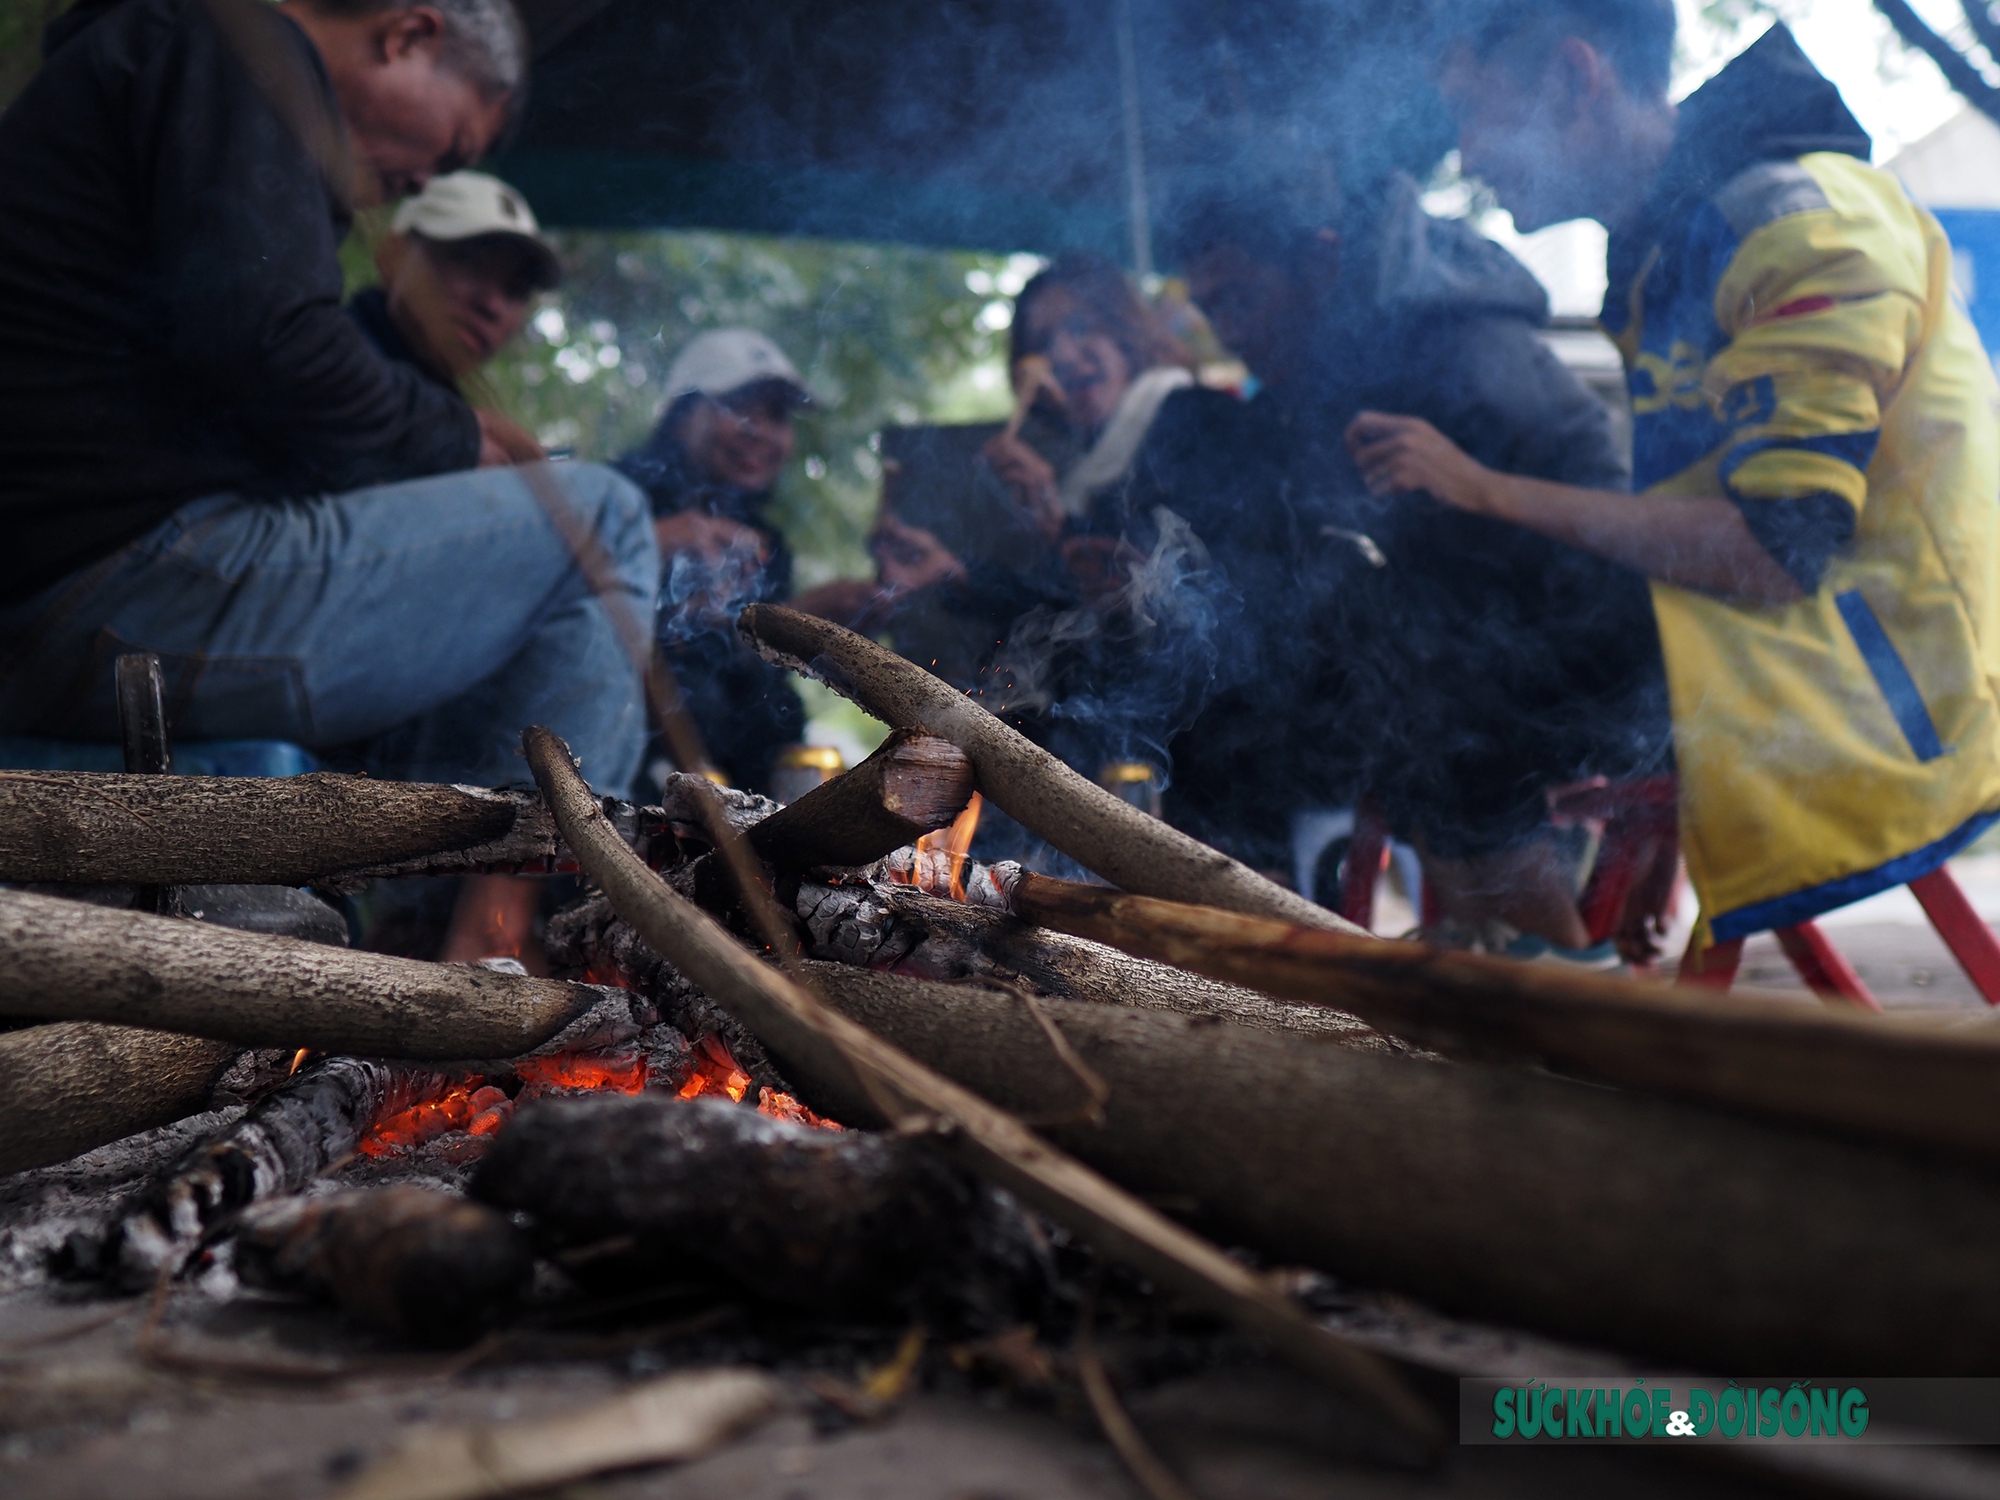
1599 958
1502 941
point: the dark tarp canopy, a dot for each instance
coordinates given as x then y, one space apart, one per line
996 124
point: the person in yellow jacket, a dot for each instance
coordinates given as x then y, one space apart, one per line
1816 451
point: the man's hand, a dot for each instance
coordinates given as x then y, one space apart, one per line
1698 542
1399 454
711 538
1031 480
503 441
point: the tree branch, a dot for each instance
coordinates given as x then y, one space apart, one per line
1956 67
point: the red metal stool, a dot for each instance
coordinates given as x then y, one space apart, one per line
1367 857
1636 815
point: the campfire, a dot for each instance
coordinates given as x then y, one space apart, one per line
815 1067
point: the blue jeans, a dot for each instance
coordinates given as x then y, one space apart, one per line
409 630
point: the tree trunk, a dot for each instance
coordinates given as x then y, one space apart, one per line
1608 1217
72 1087
70 961
913 784
1090 825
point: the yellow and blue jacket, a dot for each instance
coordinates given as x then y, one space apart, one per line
1795 344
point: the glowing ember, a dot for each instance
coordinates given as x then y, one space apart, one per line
782 1106
621 1072
473 1106
715 1072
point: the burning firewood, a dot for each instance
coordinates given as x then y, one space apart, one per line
1494 1193
69 1087
64 959
1091 825
285 1140
420 1264
914 783
1883 1078
836 1055
835 1222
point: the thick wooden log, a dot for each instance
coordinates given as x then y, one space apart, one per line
79 828
1668 1229
831 1050
70 961
1101 832
1883 1078
337 832
912 784
73 1086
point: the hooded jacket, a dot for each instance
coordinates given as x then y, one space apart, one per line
1791 341
170 319
1479 663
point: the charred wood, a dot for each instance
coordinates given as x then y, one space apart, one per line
1098 830
914 783
285 1140
903 928
831 1053
423 1265
67 960
587 937
1923 1082
73 1086
1496 1193
837 1222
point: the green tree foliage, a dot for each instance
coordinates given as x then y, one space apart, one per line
882 334
21 23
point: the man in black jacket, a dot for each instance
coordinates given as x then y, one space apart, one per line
1448 666
196 441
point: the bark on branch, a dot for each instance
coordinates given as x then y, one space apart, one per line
1495 1192
838 1055
72 961
79 828
1883 1078
1090 825
72 1087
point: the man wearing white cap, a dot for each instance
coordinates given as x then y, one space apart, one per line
711 468
460 267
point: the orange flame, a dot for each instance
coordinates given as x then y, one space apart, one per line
962 829
954 843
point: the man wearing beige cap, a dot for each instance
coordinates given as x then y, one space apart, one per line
460 267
